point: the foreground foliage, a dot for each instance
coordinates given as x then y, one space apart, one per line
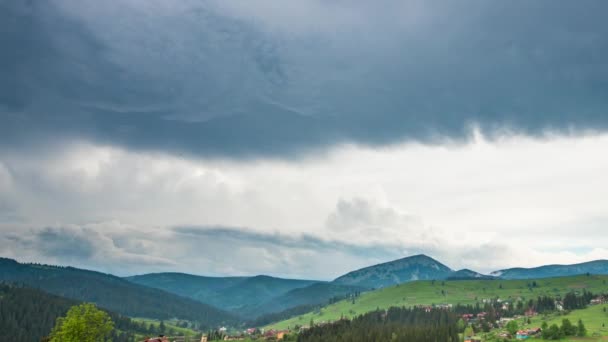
83 323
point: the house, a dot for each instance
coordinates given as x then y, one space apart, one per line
534 331
161 338
467 317
522 335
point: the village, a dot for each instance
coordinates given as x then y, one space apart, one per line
509 319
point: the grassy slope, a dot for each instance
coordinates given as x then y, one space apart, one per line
169 324
463 291
592 316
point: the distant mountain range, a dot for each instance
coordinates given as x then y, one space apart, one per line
466 274
548 271
247 296
215 301
422 267
230 293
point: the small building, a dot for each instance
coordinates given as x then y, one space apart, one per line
522 335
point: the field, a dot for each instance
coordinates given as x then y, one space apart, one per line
448 292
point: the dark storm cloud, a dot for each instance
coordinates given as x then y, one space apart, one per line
65 244
206 82
245 237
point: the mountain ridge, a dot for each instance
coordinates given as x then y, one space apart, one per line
111 292
228 293
599 266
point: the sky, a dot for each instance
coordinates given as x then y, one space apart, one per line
302 140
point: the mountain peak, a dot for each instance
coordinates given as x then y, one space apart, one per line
415 267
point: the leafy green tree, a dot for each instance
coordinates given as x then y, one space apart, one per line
468 331
581 330
544 330
83 323
512 327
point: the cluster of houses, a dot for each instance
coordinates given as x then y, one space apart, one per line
428 308
269 335
599 300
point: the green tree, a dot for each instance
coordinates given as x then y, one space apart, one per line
461 325
544 330
581 331
568 329
468 331
83 323
512 327
553 333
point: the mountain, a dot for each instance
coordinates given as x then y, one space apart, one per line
315 294
592 267
28 314
230 293
417 267
112 293
466 274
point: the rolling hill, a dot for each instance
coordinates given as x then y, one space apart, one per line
449 292
112 293
592 267
417 267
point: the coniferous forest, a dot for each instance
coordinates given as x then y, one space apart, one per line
28 315
394 324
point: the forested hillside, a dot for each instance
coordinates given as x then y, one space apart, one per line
313 295
229 293
28 315
112 293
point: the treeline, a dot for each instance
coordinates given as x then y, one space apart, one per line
572 301
29 315
394 324
555 332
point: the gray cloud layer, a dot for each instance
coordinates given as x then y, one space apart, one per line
248 79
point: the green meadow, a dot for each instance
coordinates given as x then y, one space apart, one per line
170 325
448 292
594 318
